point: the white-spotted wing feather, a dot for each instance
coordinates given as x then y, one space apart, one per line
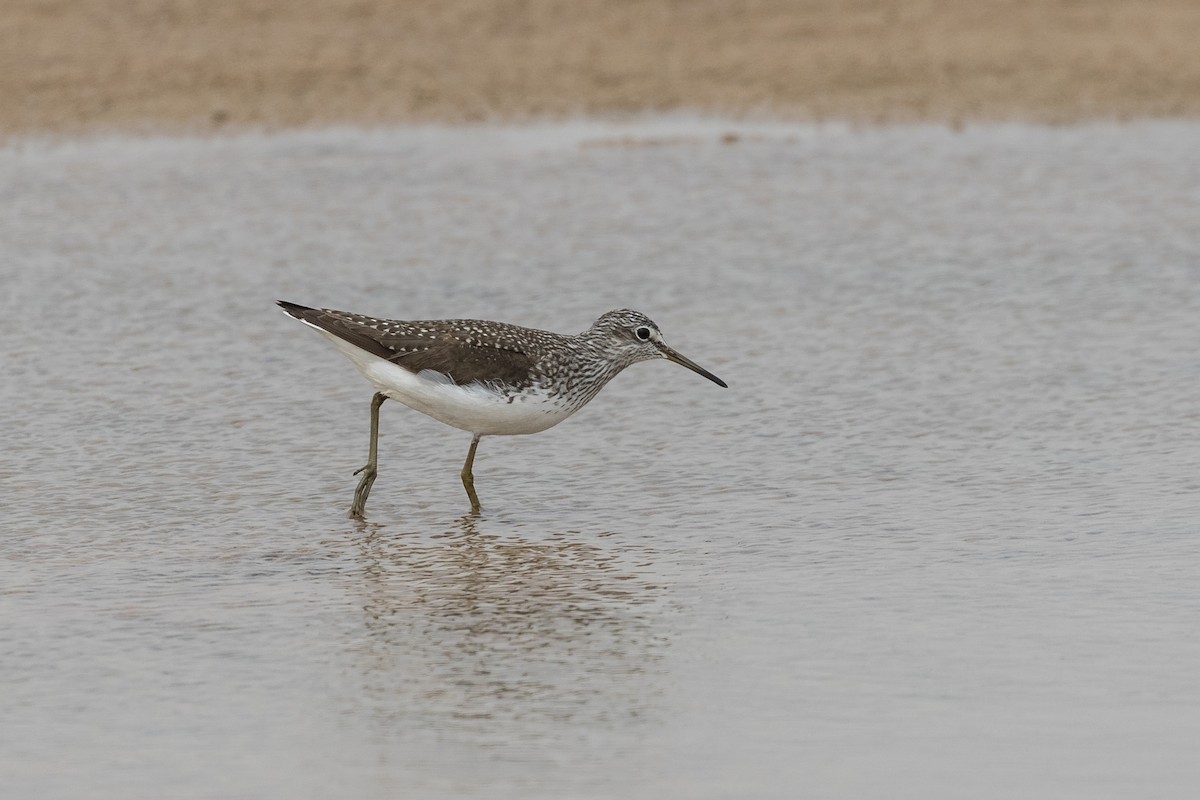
476 407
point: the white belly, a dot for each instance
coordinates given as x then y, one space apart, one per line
474 408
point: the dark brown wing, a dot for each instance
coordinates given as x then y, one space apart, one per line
464 350
466 363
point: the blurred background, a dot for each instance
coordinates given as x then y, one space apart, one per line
70 65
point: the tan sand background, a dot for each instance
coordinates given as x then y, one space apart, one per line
86 65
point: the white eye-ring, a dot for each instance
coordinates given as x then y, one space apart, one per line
643 333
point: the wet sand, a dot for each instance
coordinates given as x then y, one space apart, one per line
91 65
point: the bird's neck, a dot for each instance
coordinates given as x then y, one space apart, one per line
585 367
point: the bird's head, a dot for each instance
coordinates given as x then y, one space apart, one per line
630 336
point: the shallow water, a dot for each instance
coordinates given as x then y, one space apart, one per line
937 539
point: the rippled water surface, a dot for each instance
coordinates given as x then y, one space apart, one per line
937 540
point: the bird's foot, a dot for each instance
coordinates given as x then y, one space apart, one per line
359 508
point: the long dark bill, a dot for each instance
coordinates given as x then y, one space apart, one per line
671 355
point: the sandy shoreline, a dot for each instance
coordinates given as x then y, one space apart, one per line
187 65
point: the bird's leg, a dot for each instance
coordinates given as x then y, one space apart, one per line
468 477
368 470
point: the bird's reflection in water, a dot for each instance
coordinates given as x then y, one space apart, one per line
503 638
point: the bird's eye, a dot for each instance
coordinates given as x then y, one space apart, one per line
643 333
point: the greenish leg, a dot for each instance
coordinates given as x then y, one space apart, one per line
368 471
468 477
